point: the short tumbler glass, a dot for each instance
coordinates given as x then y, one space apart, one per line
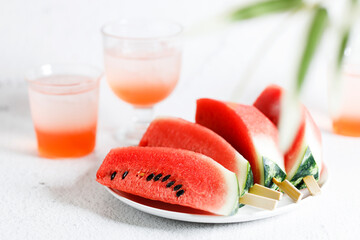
64 109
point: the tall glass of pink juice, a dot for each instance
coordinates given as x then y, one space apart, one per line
142 65
64 109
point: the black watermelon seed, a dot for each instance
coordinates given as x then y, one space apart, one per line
157 177
125 174
177 187
166 178
170 184
179 193
150 177
113 175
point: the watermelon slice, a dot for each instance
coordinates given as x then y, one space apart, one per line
179 133
249 132
304 157
173 176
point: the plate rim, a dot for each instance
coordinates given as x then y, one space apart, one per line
197 218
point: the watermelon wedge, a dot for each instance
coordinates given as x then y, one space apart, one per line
249 132
304 157
173 176
179 133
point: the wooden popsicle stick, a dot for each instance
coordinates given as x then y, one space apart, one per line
258 201
260 190
289 189
312 185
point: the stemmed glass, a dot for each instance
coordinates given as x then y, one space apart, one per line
142 65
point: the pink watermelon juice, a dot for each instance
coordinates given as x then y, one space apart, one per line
173 176
348 126
304 157
142 79
249 132
182 134
75 143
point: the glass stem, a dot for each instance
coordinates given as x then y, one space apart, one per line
141 120
143 116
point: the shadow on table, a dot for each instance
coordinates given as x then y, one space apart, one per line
16 128
87 194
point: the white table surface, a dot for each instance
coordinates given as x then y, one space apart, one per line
60 199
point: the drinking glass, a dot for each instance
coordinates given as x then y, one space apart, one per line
64 109
142 65
345 99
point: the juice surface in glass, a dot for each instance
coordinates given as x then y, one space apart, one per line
347 120
65 120
145 79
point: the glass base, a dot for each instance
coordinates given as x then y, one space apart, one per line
132 134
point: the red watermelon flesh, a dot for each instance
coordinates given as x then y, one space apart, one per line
173 176
269 103
308 135
179 133
247 130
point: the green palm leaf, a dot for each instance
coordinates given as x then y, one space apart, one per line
343 44
264 8
317 27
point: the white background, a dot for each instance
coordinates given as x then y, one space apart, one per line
45 199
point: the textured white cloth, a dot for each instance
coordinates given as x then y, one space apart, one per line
60 199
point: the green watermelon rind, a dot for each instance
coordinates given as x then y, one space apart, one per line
272 170
237 205
249 180
307 167
248 183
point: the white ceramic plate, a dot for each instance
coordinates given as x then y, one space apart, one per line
181 213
